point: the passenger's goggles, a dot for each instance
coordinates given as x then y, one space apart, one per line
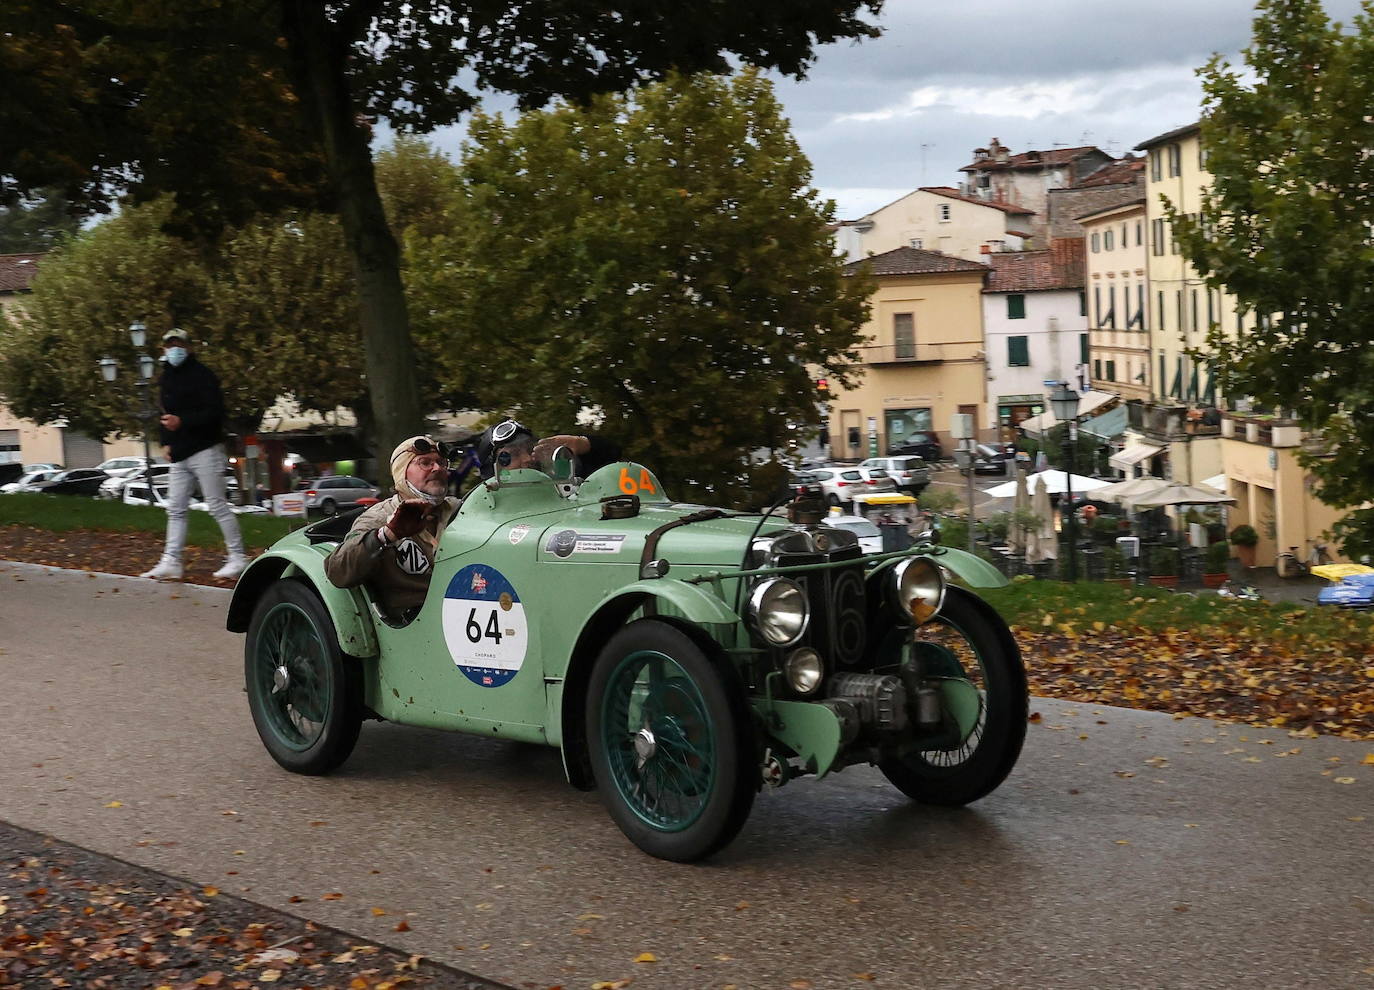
504 430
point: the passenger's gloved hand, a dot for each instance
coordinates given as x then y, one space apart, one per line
544 449
409 518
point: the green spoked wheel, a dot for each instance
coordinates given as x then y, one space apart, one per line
671 742
304 696
970 640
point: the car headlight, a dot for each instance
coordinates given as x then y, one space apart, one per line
805 670
779 609
917 587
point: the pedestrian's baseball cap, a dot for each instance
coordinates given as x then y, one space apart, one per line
174 334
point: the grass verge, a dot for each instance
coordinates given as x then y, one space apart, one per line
63 513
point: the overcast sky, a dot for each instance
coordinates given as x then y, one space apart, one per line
882 117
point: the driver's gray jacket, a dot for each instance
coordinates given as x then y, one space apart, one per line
397 574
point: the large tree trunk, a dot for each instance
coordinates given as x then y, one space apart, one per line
318 58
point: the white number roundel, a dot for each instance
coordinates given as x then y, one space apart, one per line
484 625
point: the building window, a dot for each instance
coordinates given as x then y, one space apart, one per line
1082 302
1111 371
1140 305
9 447
1111 306
1016 306
1155 175
1139 233
1157 235
1097 368
1159 310
1175 160
915 242
1201 154
1193 326
1178 309
943 212
1097 304
1082 348
1107 241
1018 352
1096 242
904 335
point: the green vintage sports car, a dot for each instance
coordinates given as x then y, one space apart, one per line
682 657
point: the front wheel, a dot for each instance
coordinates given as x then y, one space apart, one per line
671 742
328 508
306 698
968 639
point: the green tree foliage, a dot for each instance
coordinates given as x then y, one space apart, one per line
270 310
239 107
659 259
34 224
1286 229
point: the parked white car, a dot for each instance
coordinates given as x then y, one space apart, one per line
113 487
125 467
870 537
839 485
28 479
907 471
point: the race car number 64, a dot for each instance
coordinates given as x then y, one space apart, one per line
630 486
485 627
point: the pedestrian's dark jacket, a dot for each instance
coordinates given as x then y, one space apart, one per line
191 391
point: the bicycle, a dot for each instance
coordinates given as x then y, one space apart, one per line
1289 565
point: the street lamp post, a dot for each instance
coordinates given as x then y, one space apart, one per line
1064 402
109 369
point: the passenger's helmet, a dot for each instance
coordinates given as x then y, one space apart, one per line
496 438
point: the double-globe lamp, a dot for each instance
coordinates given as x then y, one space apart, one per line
147 364
1064 402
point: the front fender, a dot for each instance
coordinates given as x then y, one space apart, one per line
969 568
691 601
347 606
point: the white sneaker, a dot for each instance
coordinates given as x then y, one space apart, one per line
233 567
166 570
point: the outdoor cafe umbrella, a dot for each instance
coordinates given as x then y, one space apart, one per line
1019 534
1129 492
1179 494
1056 483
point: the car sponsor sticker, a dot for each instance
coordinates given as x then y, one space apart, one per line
518 533
484 625
567 542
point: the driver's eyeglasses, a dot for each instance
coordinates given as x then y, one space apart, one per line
504 430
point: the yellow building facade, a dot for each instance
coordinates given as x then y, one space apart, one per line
923 358
1117 289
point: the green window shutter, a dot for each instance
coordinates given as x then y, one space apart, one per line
1016 307
1018 352
1082 348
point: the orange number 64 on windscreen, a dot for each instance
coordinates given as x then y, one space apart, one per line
630 486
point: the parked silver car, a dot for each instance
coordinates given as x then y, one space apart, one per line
28 480
908 471
331 493
841 484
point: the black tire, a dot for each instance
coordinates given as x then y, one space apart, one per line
328 507
833 499
688 791
972 633
305 695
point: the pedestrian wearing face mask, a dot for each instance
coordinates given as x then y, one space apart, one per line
192 424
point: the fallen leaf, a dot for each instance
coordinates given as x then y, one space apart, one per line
270 975
742 905
402 926
378 912
344 957
864 976
114 804
210 891
182 932
335 896
646 957
1345 780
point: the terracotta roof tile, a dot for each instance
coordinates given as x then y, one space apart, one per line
17 270
1031 159
950 192
1122 172
913 261
1058 267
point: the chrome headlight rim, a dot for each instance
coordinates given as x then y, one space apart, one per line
917 577
794 661
764 595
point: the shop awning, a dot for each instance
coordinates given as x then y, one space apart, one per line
1133 454
1108 426
1090 403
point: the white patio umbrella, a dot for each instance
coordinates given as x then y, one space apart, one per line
1179 494
1042 544
1018 534
1131 491
1056 483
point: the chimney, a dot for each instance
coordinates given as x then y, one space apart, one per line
999 152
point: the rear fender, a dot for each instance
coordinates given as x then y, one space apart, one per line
347 606
690 607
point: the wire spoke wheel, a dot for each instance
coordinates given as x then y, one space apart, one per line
304 696
671 741
968 640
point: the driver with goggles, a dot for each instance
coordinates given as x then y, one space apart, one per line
391 546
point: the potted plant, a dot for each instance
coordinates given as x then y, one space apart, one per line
1164 567
1244 538
1117 566
1214 564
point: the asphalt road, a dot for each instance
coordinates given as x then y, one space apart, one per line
1128 849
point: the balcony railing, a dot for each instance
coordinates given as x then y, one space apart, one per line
907 353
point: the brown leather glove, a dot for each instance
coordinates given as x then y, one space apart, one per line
410 517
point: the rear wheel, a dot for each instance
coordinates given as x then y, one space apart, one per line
671 742
968 639
305 696
328 507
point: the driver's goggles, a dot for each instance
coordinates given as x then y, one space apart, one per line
424 445
504 430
